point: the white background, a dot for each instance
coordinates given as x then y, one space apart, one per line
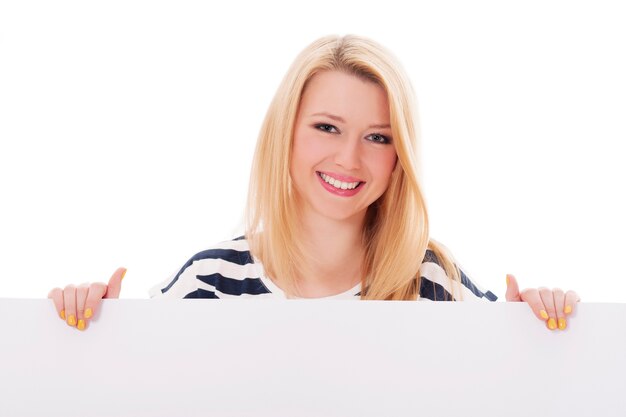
127 129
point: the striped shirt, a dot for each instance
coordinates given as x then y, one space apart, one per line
229 270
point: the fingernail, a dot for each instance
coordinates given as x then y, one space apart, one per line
507 280
72 321
543 314
551 324
562 324
123 274
88 313
81 324
63 314
568 309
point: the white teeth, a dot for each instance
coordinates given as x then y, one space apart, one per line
339 184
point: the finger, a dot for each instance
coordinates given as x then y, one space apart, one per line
512 289
57 297
548 301
69 300
559 304
532 297
571 298
92 304
81 297
115 283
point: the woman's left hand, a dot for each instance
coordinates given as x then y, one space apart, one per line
551 306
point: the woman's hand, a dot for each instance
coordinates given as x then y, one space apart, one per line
551 306
76 305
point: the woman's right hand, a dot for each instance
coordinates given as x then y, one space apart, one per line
76 305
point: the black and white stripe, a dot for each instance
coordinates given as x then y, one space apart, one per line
228 270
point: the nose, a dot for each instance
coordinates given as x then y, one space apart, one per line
348 153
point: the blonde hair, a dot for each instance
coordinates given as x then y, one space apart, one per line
395 234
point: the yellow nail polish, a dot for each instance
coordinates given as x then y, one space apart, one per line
72 321
88 313
81 324
551 324
568 309
543 314
63 314
562 324
123 275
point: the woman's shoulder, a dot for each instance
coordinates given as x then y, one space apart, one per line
430 256
235 251
436 285
225 268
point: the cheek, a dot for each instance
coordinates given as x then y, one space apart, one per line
384 165
307 151
298 151
301 159
299 154
393 161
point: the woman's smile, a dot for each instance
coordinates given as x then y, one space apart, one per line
334 184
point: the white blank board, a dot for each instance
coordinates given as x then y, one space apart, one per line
310 358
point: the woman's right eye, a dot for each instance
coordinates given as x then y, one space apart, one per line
326 127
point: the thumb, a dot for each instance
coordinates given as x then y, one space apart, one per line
115 283
512 289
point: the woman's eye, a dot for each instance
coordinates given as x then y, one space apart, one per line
379 138
326 128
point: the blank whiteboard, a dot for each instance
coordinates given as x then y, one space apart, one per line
310 358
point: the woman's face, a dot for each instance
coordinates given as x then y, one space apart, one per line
343 152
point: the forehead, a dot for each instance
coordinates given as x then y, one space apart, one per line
345 95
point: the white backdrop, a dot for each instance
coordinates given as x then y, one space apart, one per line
127 129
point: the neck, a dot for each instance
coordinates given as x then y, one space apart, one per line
334 255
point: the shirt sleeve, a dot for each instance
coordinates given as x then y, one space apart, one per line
202 276
182 284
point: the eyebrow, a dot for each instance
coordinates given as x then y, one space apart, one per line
342 120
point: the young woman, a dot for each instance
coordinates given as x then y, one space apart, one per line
335 208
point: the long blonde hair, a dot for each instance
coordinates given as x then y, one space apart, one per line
395 235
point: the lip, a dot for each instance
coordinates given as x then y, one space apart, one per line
338 191
343 178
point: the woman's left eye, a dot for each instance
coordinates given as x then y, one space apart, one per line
379 138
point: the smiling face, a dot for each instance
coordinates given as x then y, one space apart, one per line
343 153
